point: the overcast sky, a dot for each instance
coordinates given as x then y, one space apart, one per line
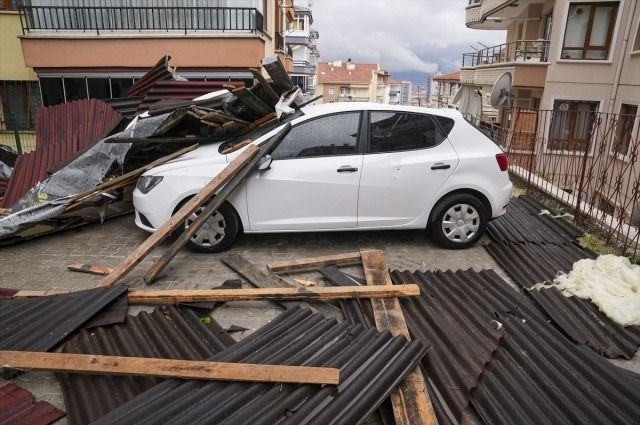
401 35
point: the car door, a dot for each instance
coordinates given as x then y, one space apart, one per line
313 180
407 160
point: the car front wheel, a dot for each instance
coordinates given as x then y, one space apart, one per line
217 234
458 221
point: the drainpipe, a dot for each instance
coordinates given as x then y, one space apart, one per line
625 43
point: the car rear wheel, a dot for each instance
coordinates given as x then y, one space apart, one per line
217 234
458 221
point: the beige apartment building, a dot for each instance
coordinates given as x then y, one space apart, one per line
348 81
444 89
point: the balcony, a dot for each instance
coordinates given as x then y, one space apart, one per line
127 19
303 67
493 14
531 51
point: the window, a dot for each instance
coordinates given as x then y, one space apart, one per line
120 86
75 88
18 103
52 91
332 90
636 43
392 131
326 136
624 128
344 91
99 88
571 125
589 30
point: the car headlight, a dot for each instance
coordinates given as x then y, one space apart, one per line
146 183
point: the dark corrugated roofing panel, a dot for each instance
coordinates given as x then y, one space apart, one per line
181 90
40 323
61 132
523 223
160 71
18 407
125 106
536 375
529 264
371 364
169 333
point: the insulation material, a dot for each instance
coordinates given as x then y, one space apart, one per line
610 282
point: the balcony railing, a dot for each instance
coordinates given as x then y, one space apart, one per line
279 42
139 19
516 51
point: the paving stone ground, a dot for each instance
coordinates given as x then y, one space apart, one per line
41 264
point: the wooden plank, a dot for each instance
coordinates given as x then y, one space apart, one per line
89 268
264 84
313 263
167 368
411 403
316 293
236 147
267 119
278 74
180 216
240 173
253 102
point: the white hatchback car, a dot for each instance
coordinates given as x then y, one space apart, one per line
345 166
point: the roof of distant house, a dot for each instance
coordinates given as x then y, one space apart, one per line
394 81
361 74
452 76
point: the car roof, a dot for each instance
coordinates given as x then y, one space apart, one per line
329 108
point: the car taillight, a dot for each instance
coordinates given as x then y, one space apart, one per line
503 163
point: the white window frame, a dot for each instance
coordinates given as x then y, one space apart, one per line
633 40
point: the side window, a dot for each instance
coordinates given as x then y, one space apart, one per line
399 131
327 136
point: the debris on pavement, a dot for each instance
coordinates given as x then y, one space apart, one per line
18 406
89 268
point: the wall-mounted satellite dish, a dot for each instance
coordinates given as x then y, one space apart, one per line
501 90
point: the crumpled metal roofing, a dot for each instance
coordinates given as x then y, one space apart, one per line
18 406
536 374
125 106
371 365
583 322
181 90
4 182
523 223
160 71
40 323
167 332
61 132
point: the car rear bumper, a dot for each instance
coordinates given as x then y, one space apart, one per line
503 196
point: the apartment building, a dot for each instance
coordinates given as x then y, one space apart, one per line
443 92
348 81
97 48
395 91
405 92
302 40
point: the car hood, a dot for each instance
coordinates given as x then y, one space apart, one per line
204 155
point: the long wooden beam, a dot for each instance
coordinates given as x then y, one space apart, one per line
410 401
256 294
167 368
179 217
312 263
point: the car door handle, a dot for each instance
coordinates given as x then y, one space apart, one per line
347 169
440 166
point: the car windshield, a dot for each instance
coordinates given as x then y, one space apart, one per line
257 133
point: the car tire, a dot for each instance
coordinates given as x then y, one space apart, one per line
458 221
218 233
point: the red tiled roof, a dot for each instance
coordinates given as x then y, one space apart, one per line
362 74
452 76
395 82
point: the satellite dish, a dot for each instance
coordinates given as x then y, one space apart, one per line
501 90
457 96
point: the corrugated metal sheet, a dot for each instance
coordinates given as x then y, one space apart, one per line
530 264
18 407
536 375
39 324
523 223
356 311
125 106
180 90
174 333
160 71
371 365
61 132
4 182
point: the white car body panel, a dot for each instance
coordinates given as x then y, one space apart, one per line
390 190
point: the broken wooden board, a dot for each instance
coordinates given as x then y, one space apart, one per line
264 84
253 102
278 74
180 216
235 147
89 268
168 368
319 293
313 263
411 403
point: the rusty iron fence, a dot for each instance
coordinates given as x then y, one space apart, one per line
584 159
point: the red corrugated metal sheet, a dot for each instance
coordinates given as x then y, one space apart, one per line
61 132
160 71
182 90
4 181
17 406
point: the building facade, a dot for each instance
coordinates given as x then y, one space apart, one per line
97 48
446 87
348 81
302 40
405 92
395 92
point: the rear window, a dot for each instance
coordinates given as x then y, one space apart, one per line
402 131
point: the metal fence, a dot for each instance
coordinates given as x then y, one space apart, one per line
126 18
586 160
516 51
18 103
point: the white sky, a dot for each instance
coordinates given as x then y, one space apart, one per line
400 35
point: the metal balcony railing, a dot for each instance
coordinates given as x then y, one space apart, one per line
516 51
279 41
131 19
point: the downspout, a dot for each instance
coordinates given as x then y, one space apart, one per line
625 43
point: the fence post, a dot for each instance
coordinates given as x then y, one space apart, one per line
533 152
16 133
583 170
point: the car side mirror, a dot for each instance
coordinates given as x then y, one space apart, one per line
265 163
